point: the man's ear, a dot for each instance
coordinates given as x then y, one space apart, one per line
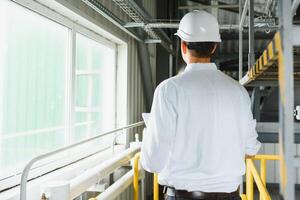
214 49
183 47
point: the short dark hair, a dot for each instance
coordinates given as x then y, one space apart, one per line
201 49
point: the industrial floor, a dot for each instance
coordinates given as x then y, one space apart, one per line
274 192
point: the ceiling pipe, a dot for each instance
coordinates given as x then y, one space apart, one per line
207 6
175 25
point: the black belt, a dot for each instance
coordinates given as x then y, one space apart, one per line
201 195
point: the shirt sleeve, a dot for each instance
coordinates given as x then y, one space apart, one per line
160 132
252 144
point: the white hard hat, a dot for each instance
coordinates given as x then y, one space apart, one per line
199 26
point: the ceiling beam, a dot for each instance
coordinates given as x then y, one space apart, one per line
205 2
232 9
226 35
208 6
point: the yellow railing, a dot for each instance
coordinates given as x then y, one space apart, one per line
155 187
260 179
136 180
252 176
270 56
136 176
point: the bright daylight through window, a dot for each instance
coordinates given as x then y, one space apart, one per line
35 55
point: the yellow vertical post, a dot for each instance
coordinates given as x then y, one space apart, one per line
243 197
249 181
136 176
263 174
155 187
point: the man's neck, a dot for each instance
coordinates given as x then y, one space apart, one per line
198 60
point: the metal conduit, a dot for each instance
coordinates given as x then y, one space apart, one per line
79 184
207 6
175 25
117 188
123 183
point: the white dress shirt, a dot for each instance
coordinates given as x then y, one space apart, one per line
200 129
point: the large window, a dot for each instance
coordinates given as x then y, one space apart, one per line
36 56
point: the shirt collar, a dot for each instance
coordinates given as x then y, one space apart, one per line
200 66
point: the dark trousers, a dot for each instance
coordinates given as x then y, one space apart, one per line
176 198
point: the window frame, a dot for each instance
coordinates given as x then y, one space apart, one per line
76 24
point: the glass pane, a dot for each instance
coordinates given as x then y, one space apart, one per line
80 132
93 55
80 117
18 150
81 85
95 87
33 52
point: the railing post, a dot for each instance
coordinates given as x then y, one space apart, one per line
155 187
136 176
263 174
249 181
240 40
243 197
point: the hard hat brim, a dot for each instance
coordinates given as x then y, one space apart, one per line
185 37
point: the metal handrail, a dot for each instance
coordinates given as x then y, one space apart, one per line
136 176
260 179
80 183
27 168
124 182
251 173
113 191
116 136
136 171
155 187
115 140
